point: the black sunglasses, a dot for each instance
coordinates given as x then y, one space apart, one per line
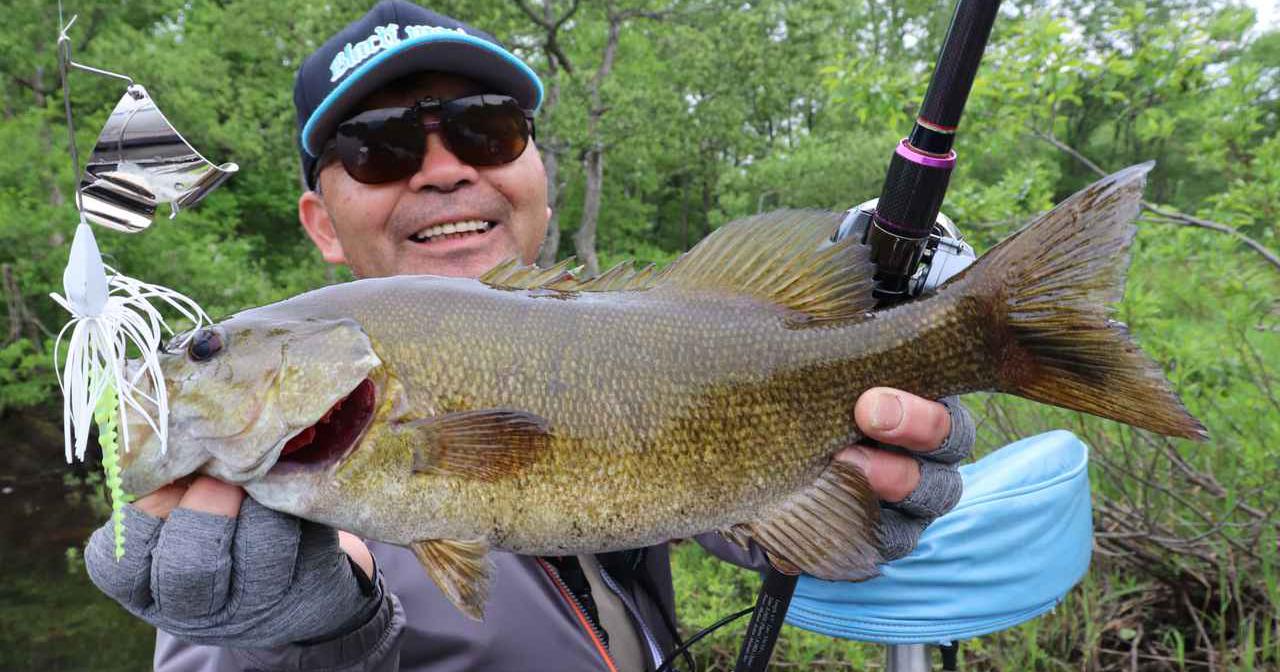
388 144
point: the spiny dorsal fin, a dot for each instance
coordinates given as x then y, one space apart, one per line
827 530
780 257
624 276
562 277
511 274
460 569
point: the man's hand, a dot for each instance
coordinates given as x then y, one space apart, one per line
209 566
921 483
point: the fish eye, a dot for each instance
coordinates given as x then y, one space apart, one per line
204 345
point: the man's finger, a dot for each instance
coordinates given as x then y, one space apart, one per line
191 565
127 580
267 549
902 419
209 495
158 504
356 549
899 533
939 490
892 476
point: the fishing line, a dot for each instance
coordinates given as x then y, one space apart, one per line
668 619
111 312
682 649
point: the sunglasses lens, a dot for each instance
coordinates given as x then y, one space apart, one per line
486 130
388 144
381 145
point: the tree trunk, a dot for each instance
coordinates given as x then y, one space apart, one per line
551 243
551 149
551 162
684 211
584 241
22 323
706 199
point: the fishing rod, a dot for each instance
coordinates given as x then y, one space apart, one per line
914 249
904 228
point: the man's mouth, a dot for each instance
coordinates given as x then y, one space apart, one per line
337 432
452 230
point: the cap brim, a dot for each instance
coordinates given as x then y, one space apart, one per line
456 53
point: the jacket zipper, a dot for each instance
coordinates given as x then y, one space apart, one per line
592 630
655 653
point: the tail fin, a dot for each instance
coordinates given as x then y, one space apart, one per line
1050 283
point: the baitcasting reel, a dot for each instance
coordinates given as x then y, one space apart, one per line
944 253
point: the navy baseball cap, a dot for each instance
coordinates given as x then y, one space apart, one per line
397 38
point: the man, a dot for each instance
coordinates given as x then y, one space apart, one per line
417 158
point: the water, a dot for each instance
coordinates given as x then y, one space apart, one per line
51 615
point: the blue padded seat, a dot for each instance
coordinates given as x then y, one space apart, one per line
1018 540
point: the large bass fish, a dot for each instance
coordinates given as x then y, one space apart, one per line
534 413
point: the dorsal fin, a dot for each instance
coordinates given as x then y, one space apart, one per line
781 257
624 276
511 274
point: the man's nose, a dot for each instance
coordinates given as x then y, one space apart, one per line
441 170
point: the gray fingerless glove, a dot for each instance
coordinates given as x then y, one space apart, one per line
937 492
262 579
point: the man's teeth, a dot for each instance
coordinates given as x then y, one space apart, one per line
451 228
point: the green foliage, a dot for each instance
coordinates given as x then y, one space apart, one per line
22 375
710 589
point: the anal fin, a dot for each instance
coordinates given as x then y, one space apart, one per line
460 569
827 530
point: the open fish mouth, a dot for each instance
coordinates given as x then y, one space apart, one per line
334 435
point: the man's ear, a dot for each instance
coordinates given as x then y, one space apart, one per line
319 226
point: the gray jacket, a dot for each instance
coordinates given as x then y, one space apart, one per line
531 623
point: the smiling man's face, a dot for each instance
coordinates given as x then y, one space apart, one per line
395 228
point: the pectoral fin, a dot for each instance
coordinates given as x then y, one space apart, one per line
827 530
461 570
487 445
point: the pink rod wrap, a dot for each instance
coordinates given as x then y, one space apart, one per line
909 153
